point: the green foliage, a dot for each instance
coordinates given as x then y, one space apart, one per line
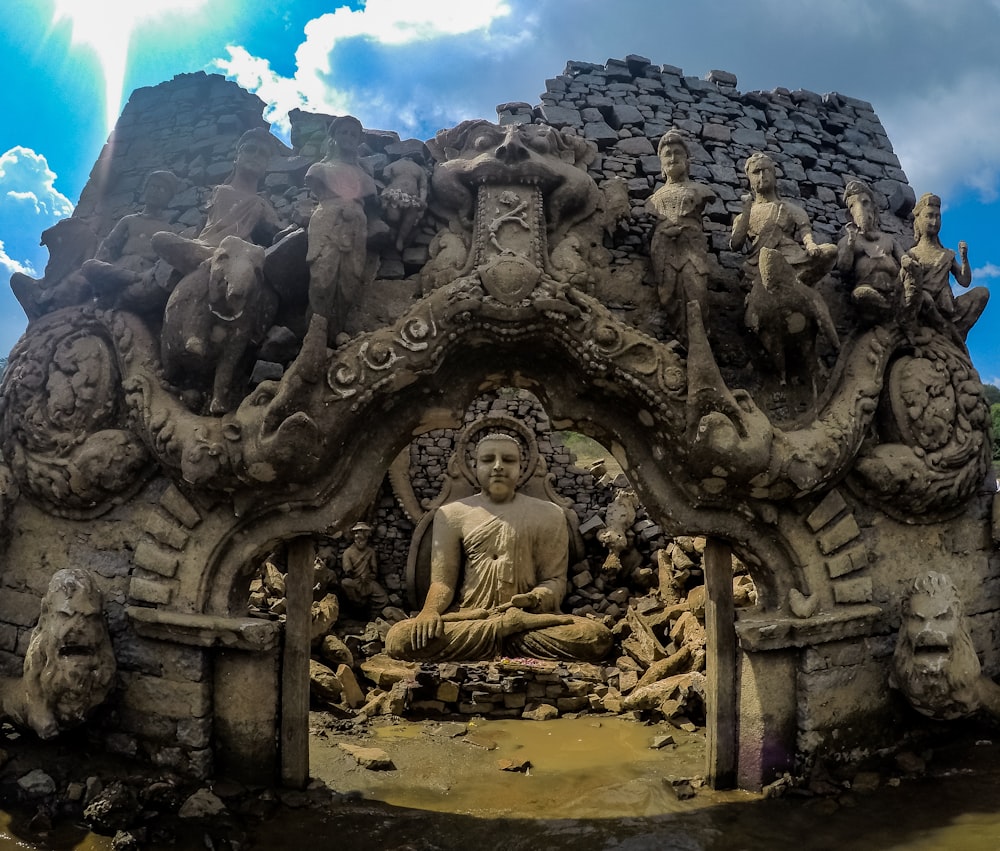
995 429
992 394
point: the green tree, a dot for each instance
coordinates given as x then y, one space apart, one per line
992 394
995 429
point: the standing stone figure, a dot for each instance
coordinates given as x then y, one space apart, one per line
338 229
122 269
360 570
678 251
869 260
498 576
769 221
933 301
404 198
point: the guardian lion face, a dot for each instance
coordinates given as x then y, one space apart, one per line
935 664
69 668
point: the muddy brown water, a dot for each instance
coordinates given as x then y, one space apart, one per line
592 784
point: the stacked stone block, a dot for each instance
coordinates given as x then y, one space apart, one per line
819 142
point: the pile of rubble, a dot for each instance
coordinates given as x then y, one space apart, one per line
656 670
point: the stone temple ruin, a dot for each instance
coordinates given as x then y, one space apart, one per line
276 408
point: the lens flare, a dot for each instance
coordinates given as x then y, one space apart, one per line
107 28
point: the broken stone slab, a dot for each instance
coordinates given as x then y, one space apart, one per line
521 765
540 712
324 684
202 804
674 664
352 694
682 788
374 759
448 729
480 741
37 783
334 651
681 687
661 741
386 672
687 630
642 645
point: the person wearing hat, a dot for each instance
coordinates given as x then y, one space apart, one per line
360 569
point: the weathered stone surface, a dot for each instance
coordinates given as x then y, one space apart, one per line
177 490
374 759
202 804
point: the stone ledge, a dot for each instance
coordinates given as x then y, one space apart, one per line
205 630
757 634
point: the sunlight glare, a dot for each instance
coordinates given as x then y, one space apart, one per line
107 28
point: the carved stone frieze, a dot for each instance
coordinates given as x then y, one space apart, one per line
66 435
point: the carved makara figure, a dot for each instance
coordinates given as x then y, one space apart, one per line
678 250
122 272
934 302
869 260
498 575
340 227
935 664
770 221
69 667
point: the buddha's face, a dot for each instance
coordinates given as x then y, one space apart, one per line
498 465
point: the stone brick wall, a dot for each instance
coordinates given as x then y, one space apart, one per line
189 125
819 142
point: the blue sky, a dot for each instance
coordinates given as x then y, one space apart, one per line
414 66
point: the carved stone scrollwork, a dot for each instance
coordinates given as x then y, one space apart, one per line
934 423
64 419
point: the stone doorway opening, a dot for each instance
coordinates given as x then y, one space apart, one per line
651 588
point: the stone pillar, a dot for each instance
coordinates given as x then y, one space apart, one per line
767 727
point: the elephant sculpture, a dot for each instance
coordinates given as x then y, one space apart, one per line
215 317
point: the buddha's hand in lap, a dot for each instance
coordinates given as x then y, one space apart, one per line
427 627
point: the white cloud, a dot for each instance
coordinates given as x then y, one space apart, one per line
10 265
26 176
394 25
29 203
990 270
948 137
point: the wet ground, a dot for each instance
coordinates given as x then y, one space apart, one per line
592 784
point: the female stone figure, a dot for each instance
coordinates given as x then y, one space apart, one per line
338 229
678 252
934 301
